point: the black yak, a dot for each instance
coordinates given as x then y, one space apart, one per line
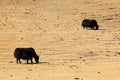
92 24
25 54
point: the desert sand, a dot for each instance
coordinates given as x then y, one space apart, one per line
53 28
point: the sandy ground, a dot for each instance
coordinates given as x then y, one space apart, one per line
53 28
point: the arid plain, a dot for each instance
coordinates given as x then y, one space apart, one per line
53 28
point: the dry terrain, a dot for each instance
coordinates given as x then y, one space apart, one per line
66 50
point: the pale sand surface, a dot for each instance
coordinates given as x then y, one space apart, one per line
53 28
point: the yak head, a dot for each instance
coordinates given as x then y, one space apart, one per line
37 59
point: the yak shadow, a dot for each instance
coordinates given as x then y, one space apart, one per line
36 63
95 29
43 63
101 29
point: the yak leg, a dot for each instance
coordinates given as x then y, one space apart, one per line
18 61
83 27
31 61
92 27
27 61
87 27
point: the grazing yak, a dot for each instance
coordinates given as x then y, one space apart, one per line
92 24
25 54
